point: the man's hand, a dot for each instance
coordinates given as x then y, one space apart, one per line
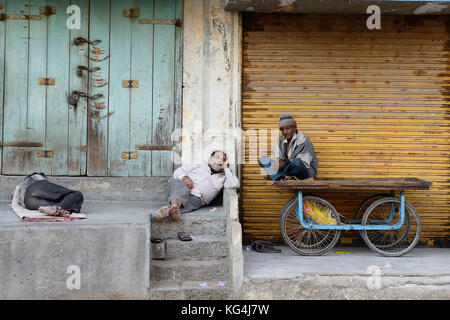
278 165
188 181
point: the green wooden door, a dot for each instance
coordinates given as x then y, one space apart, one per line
139 56
41 132
135 67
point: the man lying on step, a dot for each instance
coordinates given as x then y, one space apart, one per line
196 185
37 193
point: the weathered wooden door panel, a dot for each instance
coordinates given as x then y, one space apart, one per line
15 125
119 97
140 117
164 88
126 132
36 110
57 109
99 23
141 98
77 135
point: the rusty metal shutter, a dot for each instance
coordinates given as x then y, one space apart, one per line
375 103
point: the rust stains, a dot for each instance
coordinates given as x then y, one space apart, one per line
81 148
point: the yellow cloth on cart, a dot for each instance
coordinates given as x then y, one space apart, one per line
321 216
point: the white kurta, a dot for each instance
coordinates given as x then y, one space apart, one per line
206 185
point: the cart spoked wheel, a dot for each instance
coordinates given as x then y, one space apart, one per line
365 204
391 243
302 240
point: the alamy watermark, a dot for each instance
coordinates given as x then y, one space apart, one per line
74 20
375 272
74 280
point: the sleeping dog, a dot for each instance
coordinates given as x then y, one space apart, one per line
37 193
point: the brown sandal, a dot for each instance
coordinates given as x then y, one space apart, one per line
184 236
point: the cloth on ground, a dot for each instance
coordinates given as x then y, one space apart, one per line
36 216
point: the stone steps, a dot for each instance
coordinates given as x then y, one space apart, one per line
188 264
190 290
179 270
197 223
200 247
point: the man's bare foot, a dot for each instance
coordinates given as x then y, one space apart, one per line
174 212
62 213
54 211
48 210
161 213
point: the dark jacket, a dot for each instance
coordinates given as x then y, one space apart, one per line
303 149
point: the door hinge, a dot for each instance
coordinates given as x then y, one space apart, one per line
46 81
21 144
152 147
176 22
4 17
129 155
130 84
45 154
47 11
131 13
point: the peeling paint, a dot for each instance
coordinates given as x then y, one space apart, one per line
430 8
220 27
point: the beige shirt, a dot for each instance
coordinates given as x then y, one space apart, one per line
206 185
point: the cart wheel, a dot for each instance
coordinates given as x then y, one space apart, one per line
365 204
391 243
304 241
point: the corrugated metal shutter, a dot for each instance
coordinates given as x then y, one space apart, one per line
375 103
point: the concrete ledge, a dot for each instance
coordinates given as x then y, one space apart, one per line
101 188
358 275
111 249
234 235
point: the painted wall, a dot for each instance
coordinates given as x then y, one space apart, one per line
211 81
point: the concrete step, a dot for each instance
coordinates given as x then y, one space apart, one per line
189 290
178 270
111 249
200 247
101 188
196 223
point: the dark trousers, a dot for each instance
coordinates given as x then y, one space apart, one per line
179 191
294 167
43 193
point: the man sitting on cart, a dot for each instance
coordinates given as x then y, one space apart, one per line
295 154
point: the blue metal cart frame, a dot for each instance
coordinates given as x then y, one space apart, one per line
370 229
356 223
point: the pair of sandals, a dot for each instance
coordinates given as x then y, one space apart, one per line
183 236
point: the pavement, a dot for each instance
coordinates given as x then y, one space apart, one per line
355 273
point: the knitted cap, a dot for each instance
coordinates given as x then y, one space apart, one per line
287 121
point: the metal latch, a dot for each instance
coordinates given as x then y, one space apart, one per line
48 10
152 147
45 154
4 17
130 84
131 13
80 40
129 155
46 81
81 68
21 144
176 22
